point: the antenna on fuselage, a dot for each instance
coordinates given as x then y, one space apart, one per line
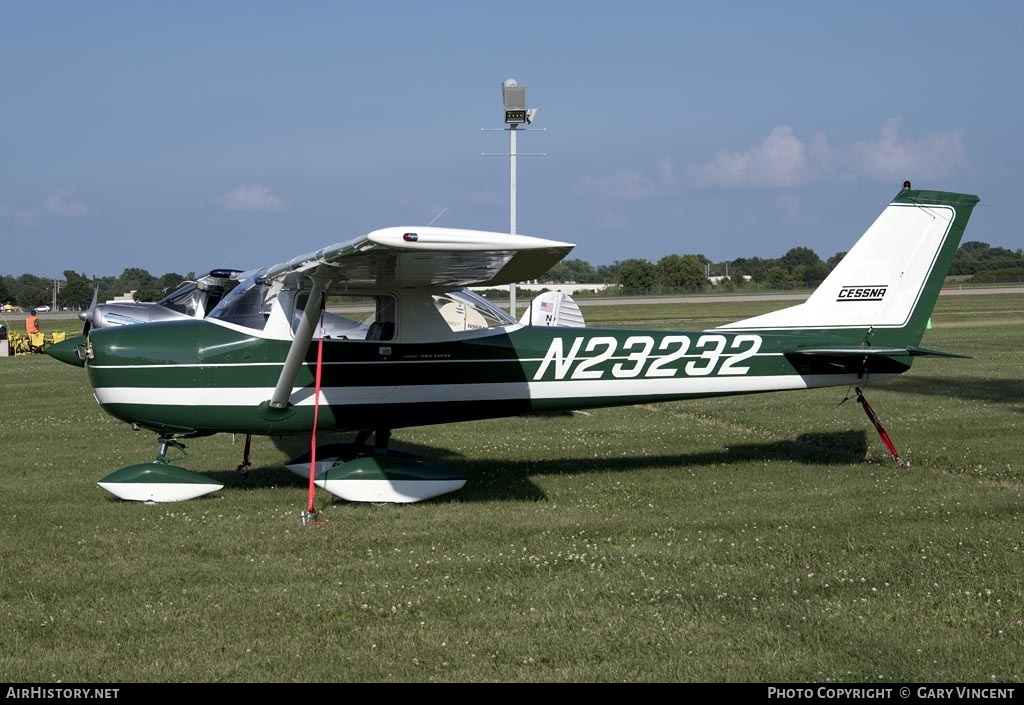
443 211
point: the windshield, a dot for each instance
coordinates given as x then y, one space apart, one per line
246 304
182 300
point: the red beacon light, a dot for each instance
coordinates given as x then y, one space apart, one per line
906 185
410 237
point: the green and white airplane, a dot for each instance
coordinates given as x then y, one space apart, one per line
405 343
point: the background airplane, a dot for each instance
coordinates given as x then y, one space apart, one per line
193 299
410 345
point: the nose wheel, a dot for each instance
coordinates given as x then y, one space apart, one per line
159 480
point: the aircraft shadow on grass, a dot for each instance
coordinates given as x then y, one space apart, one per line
510 480
1001 391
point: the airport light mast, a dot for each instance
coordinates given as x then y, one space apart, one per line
516 114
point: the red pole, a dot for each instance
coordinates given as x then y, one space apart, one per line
881 431
311 501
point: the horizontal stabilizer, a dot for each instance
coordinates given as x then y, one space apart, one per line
927 352
911 350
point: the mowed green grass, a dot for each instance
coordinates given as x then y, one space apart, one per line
756 538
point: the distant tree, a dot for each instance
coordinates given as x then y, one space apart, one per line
696 269
636 275
979 258
777 275
134 278
668 272
608 273
816 273
158 288
754 267
834 260
798 257
973 249
571 270
673 271
32 291
172 280
148 293
76 292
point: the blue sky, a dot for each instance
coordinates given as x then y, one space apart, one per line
182 136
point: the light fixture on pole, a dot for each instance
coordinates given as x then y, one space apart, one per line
516 114
57 284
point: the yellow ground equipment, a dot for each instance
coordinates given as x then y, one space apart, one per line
28 343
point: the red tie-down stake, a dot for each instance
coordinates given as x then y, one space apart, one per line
881 431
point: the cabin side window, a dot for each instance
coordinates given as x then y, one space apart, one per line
351 317
465 311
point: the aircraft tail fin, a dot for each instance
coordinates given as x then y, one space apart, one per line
890 279
553 308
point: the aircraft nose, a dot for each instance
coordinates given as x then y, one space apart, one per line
70 350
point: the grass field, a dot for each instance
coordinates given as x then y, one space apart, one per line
758 538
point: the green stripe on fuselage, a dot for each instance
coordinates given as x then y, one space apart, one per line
201 355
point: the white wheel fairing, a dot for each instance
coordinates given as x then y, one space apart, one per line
389 491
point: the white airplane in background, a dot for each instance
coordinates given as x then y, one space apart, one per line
193 299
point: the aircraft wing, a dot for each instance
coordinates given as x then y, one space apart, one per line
429 256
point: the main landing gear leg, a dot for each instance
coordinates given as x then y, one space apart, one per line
243 468
361 438
381 438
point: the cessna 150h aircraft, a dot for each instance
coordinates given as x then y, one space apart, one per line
415 347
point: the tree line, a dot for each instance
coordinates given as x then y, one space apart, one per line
76 289
800 266
694 272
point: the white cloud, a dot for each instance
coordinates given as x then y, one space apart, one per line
780 159
252 198
893 157
609 220
20 216
62 203
665 175
625 185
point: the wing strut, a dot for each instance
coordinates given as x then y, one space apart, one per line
297 351
881 431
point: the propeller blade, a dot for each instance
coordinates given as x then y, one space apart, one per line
87 316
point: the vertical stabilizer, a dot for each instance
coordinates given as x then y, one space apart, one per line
891 278
553 308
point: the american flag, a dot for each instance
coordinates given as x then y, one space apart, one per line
547 306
